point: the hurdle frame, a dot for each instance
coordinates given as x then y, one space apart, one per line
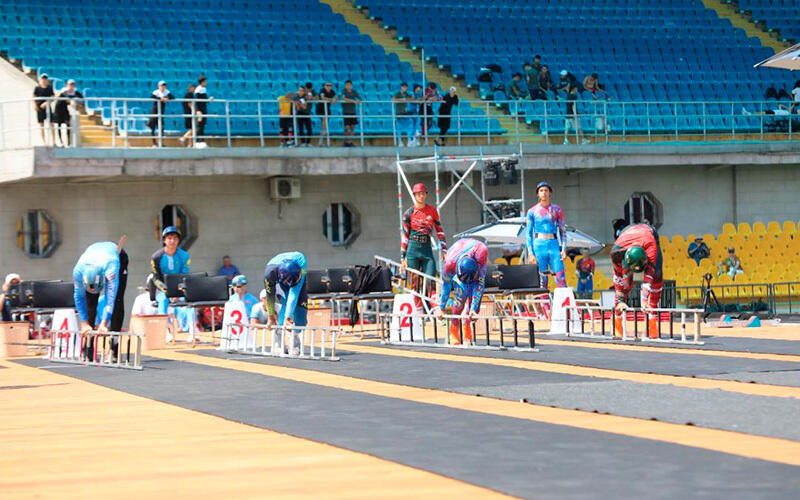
487 319
264 348
579 310
69 356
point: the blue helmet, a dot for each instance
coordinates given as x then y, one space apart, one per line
289 272
170 230
239 280
93 279
544 184
467 269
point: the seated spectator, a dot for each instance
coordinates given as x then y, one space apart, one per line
545 83
67 99
584 270
517 88
258 313
5 302
698 250
731 266
239 284
228 269
566 81
771 93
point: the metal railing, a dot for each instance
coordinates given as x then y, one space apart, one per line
304 342
107 349
128 122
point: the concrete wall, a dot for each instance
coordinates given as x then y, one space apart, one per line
235 215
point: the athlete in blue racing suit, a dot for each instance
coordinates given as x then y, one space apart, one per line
287 270
547 237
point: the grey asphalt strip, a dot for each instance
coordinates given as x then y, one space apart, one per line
515 456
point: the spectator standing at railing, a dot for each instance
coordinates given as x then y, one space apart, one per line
350 98
201 108
698 250
326 97
419 107
572 120
160 97
545 83
446 114
584 270
43 94
795 108
187 114
565 82
285 120
431 95
302 110
404 110
66 98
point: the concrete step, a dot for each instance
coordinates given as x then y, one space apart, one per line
728 11
384 38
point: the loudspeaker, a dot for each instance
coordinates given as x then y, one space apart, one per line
176 283
53 294
206 288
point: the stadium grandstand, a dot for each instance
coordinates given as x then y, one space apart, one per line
400 249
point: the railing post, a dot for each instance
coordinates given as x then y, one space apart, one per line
705 120
260 128
761 120
294 126
458 122
361 120
546 128
733 123
228 121
676 121
194 123
48 123
516 120
425 122
114 124
488 125
624 123
647 110
2 129
160 125
125 121
394 126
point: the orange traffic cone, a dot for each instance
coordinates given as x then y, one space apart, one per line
652 326
618 318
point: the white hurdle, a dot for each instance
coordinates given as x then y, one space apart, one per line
304 342
94 348
510 333
599 318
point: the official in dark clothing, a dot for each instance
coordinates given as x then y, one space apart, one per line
445 114
160 97
187 114
41 93
62 114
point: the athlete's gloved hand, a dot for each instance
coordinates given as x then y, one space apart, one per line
102 328
85 328
272 320
439 314
472 314
620 307
563 254
403 265
532 259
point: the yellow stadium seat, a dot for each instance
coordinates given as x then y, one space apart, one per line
709 239
773 227
678 241
744 228
515 261
728 228
500 261
759 228
789 226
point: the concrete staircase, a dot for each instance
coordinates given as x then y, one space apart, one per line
360 18
93 132
728 11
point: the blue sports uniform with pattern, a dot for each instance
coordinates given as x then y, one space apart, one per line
162 265
295 304
547 220
105 255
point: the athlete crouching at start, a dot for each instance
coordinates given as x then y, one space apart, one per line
463 280
637 250
288 271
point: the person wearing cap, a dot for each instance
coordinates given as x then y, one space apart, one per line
301 102
547 236
160 97
43 94
445 114
404 109
239 285
698 250
565 81
258 313
420 222
66 98
326 97
463 283
350 98
5 302
731 266
99 279
637 250
170 259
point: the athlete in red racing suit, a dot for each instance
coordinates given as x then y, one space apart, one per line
645 237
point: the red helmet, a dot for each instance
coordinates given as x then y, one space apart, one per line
419 188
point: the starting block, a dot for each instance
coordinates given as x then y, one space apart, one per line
304 342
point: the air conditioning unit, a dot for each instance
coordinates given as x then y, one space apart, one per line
284 188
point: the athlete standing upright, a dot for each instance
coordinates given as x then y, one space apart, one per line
420 222
547 236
